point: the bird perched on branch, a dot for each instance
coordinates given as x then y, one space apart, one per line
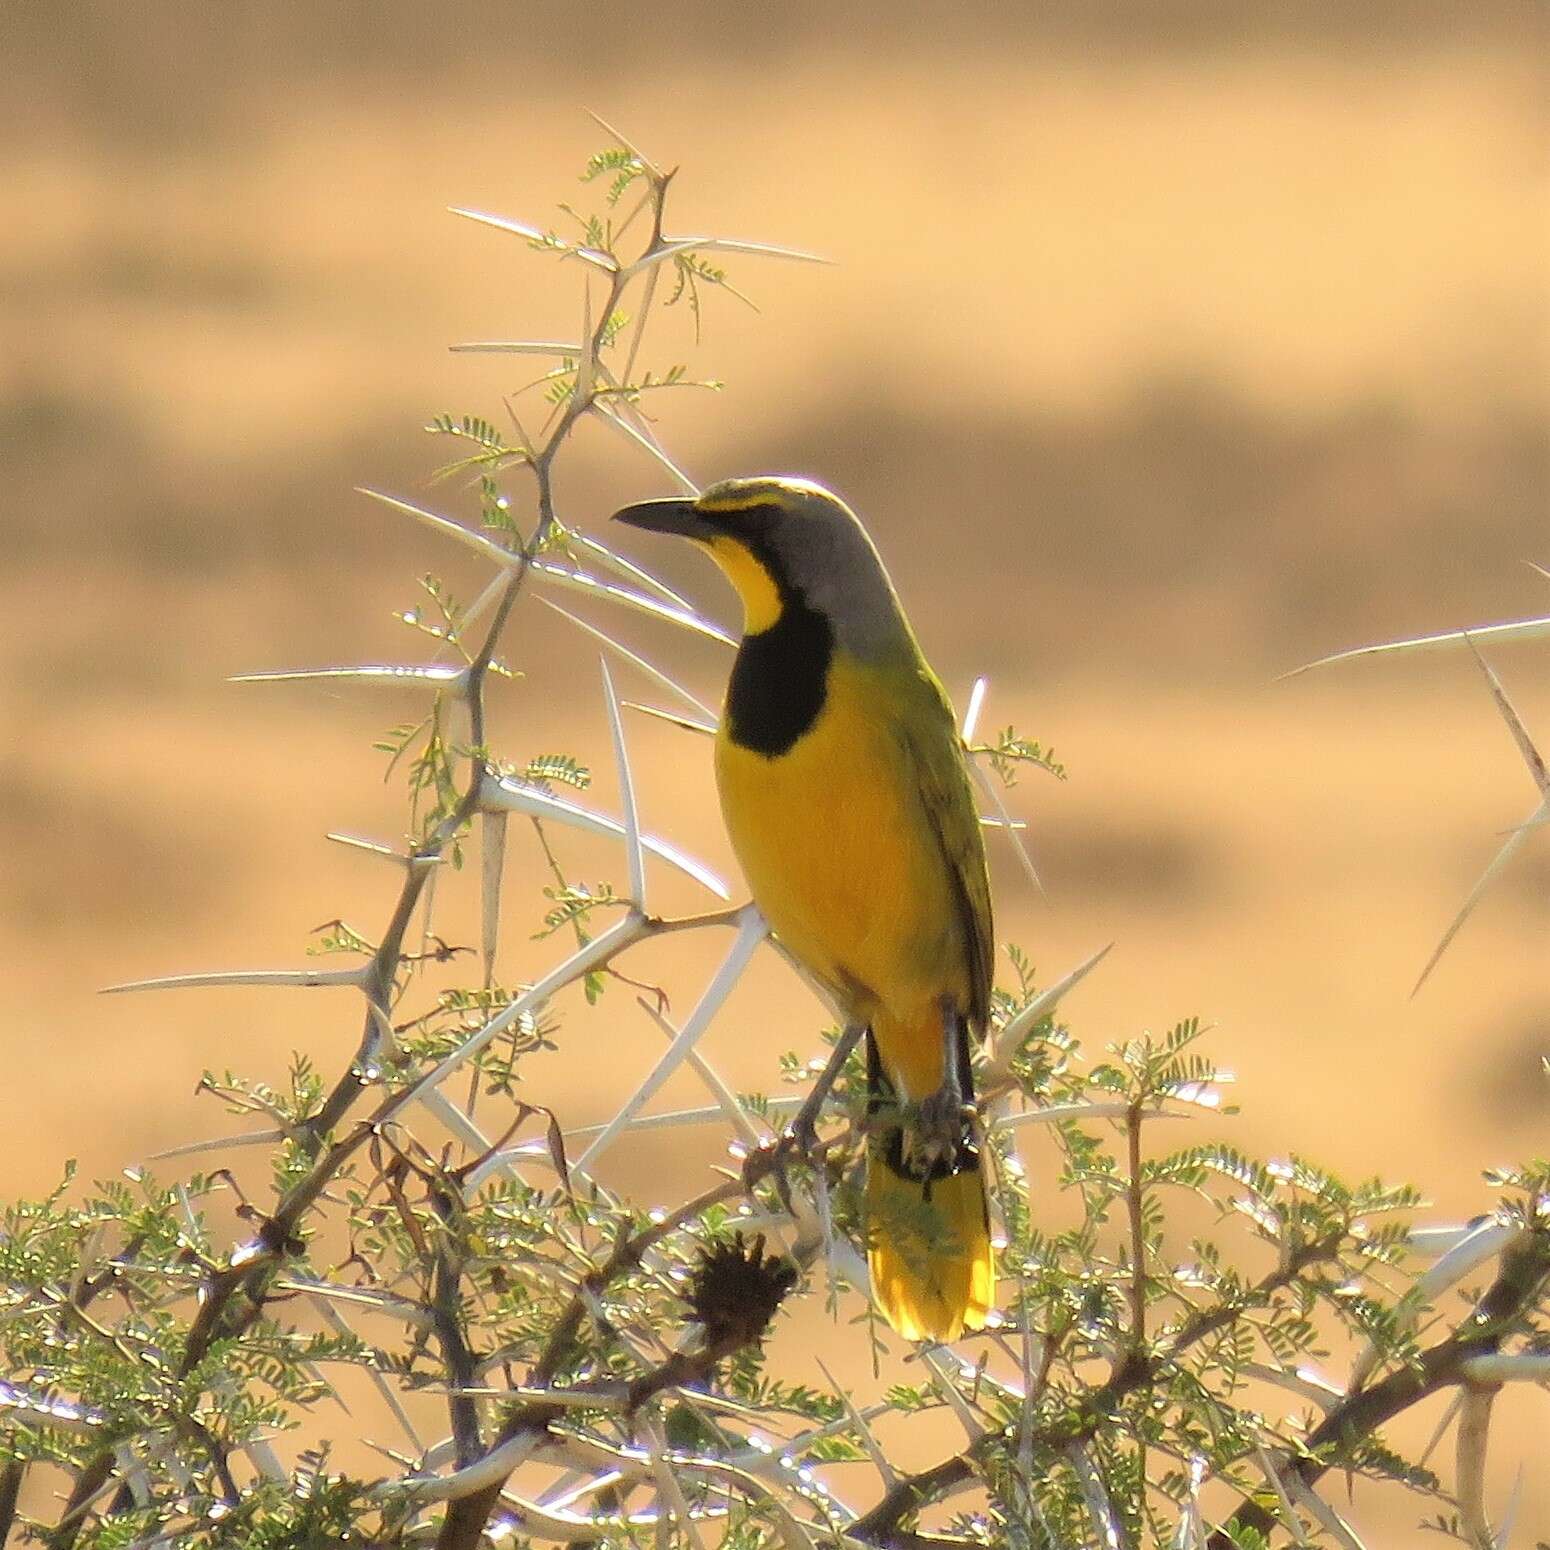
848 803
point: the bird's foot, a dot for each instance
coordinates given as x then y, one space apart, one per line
942 1113
938 1131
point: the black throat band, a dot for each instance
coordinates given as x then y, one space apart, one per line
781 676
779 681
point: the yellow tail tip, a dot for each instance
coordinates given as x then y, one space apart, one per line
933 1274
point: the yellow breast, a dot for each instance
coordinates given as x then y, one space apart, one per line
841 857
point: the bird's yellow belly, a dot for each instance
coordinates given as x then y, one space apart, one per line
842 861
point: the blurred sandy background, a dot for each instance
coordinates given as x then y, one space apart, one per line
1168 346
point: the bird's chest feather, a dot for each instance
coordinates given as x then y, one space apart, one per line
837 849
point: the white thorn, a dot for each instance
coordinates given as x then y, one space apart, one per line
1523 1367
1518 629
1316 1507
501 222
371 847
750 933
456 1121
632 845
582 582
885 1470
727 1105
1057 1113
534 234
1520 734
948 1389
988 788
684 723
221 1144
1510 847
480 605
648 295
651 671
583 385
382 1047
629 568
579 963
1041 1006
622 425
371 672
1483 1242
1099 1508
971 716
516 796
516 347
1448 1416
629 145
1289 1518
677 1118
445 525
677 245
331 1315
492 863
307 977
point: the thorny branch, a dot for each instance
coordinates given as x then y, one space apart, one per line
389 957
234 1295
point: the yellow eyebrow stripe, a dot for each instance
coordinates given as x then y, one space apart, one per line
726 503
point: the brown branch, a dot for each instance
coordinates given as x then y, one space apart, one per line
1135 1205
463 1526
218 1454
1518 1285
447 1320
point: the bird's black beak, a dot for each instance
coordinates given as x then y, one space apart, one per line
676 514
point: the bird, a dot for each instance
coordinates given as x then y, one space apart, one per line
846 796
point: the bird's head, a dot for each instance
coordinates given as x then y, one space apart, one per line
781 543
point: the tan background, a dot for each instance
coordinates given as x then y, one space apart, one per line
1168 346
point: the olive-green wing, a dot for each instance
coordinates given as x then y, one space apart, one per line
935 753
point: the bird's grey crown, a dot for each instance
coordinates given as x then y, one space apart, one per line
820 552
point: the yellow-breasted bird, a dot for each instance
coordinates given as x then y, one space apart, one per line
848 803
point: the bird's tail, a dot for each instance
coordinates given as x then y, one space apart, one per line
928 1230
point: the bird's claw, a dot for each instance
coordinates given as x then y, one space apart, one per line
942 1115
940 1119
801 1135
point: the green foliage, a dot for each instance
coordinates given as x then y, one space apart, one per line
546 768
691 272
1010 750
574 903
622 167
